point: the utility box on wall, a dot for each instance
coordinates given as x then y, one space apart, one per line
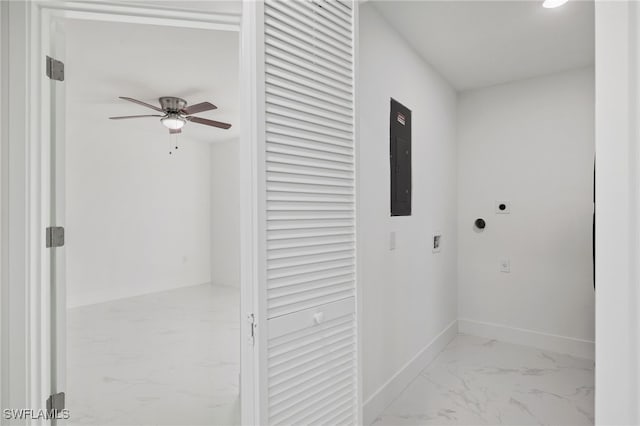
400 156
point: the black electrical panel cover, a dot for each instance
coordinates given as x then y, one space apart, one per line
400 155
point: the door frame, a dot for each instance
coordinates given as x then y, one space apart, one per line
617 63
24 157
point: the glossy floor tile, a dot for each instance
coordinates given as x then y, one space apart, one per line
477 381
169 358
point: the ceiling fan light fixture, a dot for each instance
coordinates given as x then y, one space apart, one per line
550 4
173 122
176 113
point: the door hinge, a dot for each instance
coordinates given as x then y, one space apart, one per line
55 69
55 236
251 319
55 402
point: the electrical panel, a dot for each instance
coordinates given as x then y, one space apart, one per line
400 156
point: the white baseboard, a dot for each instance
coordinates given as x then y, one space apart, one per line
376 403
550 342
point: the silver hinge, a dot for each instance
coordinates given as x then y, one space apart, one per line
251 319
55 236
55 402
55 69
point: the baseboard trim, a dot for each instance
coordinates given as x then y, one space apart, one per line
550 342
376 403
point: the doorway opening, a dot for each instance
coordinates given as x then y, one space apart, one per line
499 322
151 267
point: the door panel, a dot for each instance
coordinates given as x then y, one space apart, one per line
311 349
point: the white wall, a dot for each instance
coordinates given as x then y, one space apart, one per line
530 143
409 295
137 219
618 212
225 213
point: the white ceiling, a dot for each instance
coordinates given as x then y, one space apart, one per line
105 60
481 43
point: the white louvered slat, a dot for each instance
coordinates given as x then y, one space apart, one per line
318 123
304 245
309 10
302 158
310 109
278 47
314 277
310 202
281 141
310 28
301 84
301 36
285 59
307 130
275 225
310 140
293 253
323 287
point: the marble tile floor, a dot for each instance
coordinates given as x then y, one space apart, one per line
477 381
168 358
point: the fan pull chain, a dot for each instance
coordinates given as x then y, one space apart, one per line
170 144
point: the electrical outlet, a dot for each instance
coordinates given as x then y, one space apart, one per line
505 265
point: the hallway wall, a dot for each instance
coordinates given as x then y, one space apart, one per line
225 213
409 294
137 219
530 143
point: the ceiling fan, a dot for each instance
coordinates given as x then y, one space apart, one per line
175 113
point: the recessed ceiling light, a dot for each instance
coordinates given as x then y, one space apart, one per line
550 4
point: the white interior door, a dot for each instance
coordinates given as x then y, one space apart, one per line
310 278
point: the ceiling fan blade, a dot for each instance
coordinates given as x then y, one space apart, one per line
135 101
135 116
202 106
172 131
208 122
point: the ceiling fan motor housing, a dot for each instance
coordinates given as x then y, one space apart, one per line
172 104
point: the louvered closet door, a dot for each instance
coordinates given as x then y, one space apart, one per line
310 257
